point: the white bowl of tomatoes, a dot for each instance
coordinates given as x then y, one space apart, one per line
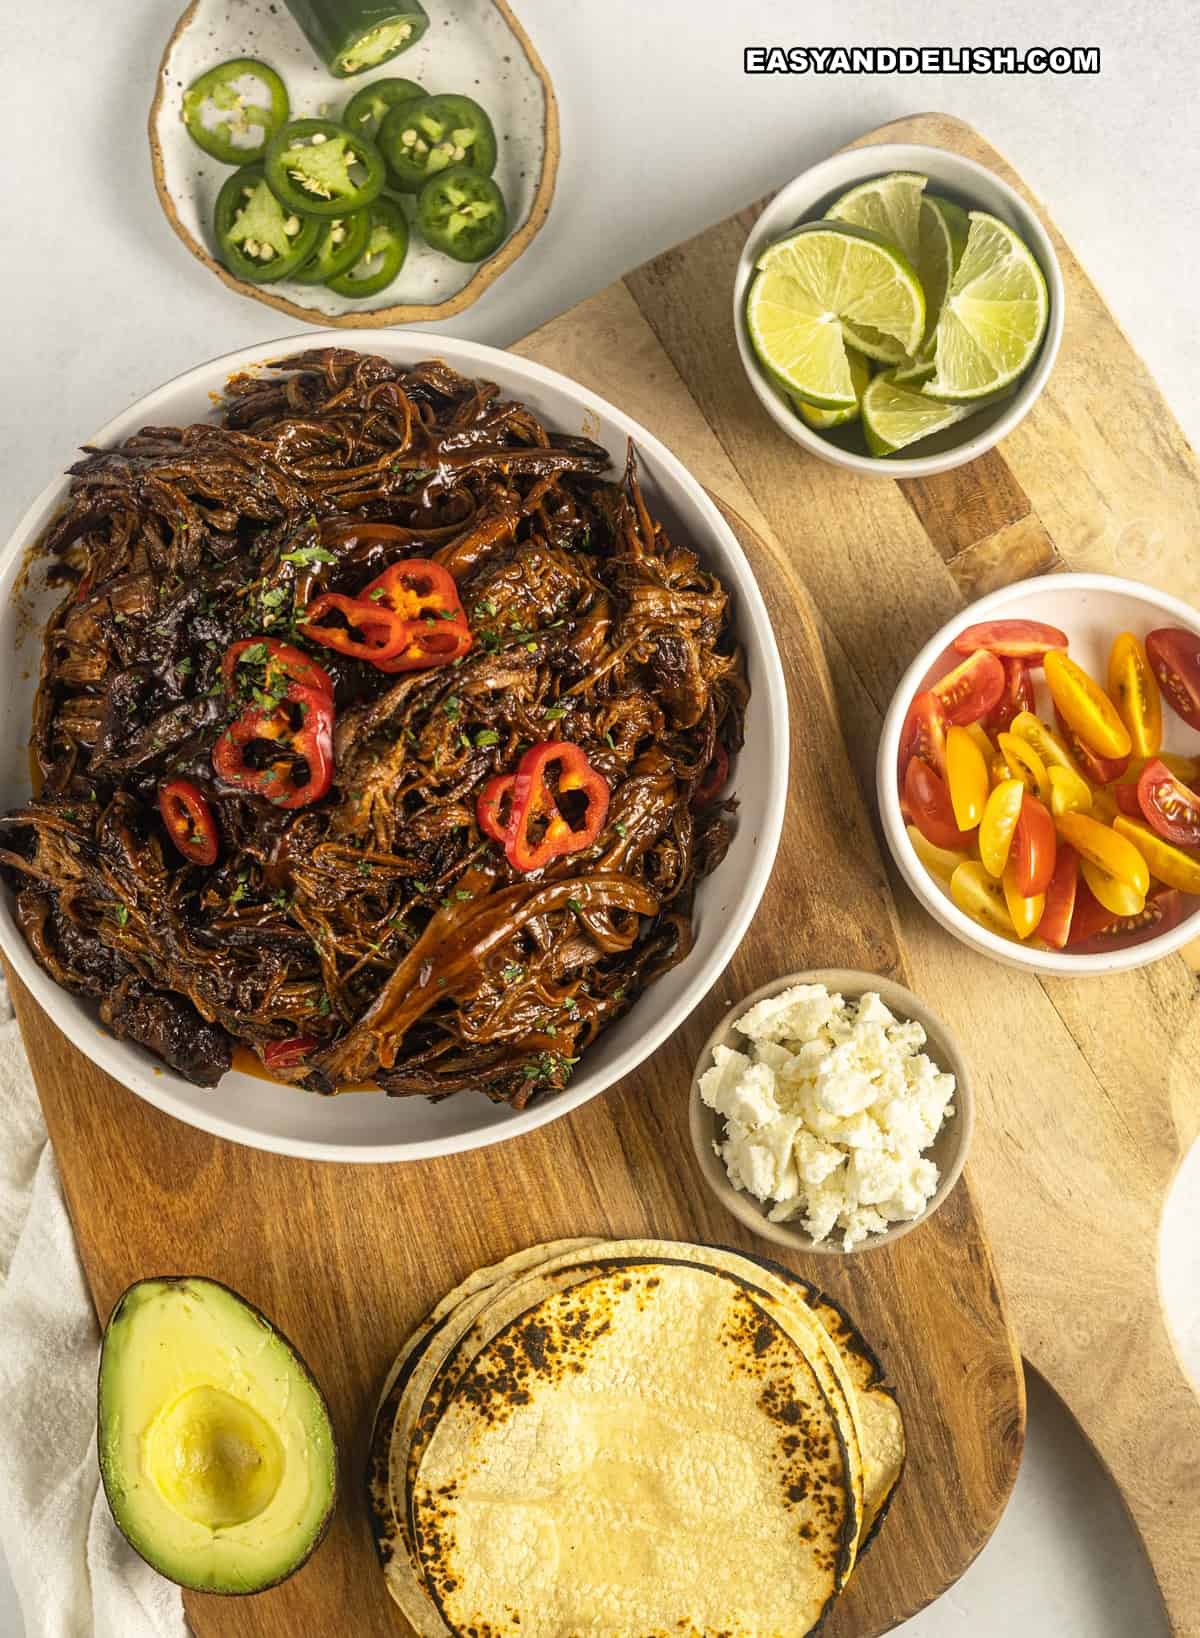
1039 774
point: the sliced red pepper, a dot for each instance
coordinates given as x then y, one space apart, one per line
369 633
287 1054
416 588
282 664
489 810
429 645
425 597
713 782
537 830
310 739
189 820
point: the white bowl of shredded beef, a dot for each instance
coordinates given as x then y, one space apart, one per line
361 925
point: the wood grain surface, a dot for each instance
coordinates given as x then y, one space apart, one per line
346 1258
1088 1092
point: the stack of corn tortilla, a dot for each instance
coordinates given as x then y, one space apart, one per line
630 1436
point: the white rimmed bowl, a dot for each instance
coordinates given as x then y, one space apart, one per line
1091 609
970 185
948 1151
372 1127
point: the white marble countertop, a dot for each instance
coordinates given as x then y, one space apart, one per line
662 134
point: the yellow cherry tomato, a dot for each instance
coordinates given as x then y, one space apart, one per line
1113 893
998 770
941 861
1049 746
967 777
979 735
1069 792
1024 763
1085 706
1024 913
1133 689
1000 815
1101 846
1170 864
981 897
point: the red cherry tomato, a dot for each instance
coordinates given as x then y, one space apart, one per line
1170 807
1174 656
1089 916
287 1054
927 797
1126 798
1055 925
1034 847
972 689
1018 696
1014 639
1101 770
1163 910
924 734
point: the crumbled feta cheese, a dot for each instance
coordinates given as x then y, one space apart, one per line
828 1110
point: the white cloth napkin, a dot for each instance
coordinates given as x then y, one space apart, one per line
75 1575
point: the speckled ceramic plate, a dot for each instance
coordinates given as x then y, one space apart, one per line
472 46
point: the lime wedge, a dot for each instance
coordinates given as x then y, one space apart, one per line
889 206
810 284
821 420
895 416
994 316
943 238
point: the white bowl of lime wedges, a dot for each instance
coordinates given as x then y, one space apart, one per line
898 309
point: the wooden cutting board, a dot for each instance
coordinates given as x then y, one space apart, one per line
1088 1091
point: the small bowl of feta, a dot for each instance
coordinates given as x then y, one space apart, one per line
831 1111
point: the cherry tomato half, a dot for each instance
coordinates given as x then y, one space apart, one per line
972 689
1041 737
1089 916
1101 770
1170 807
928 802
1171 865
1018 696
999 825
1025 764
1135 694
924 734
1069 792
1055 925
981 897
1034 846
1013 639
1025 909
939 861
1126 797
1161 911
1085 707
1111 865
967 777
1174 656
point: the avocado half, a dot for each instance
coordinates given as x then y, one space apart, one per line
216 1448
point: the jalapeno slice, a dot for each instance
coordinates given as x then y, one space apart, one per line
258 238
352 35
386 249
341 242
419 139
232 110
370 106
462 214
321 169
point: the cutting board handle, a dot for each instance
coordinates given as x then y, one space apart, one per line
1141 1413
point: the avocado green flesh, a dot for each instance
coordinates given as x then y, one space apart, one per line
216 1449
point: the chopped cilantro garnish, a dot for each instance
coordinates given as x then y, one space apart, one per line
555 712
309 554
574 904
486 737
512 973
